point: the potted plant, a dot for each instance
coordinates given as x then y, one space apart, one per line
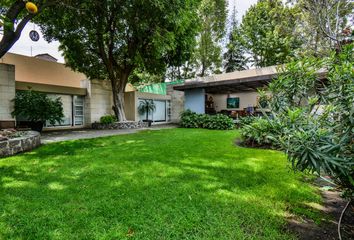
145 107
37 108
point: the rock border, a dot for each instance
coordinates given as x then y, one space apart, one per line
119 125
13 146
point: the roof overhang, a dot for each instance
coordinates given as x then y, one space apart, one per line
46 88
239 81
231 85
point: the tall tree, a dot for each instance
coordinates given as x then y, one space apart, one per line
269 31
213 15
110 39
323 23
235 57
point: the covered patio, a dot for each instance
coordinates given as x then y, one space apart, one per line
234 94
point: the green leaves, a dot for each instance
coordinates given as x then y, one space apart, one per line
191 119
37 107
108 119
268 30
317 115
107 39
312 118
212 15
234 57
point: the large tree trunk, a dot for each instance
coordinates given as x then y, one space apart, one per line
7 42
118 89
118 100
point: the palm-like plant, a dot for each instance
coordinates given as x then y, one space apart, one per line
145 107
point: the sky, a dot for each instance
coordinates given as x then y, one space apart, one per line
25 46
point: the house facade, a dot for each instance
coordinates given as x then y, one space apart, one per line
84 101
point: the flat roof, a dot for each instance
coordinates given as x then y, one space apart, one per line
238 81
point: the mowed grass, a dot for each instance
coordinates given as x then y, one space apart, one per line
167 184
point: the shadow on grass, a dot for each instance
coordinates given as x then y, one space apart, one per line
170 184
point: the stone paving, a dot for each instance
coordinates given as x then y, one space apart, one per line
65 135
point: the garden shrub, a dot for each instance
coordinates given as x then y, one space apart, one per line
108 119
314 128
261 132
37 107
247 120
191 119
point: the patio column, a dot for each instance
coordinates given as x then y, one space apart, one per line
195 100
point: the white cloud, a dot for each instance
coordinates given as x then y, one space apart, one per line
241 6
26 46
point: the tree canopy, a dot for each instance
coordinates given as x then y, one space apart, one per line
110 39
269 31
213 15
235 56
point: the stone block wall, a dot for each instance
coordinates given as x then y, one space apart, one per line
120 125
13 146
7 93
177 103
98 101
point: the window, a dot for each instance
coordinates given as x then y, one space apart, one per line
78 109
67 110
162 112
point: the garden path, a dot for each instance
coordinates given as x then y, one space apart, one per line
65 135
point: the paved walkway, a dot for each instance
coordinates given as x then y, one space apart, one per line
59 136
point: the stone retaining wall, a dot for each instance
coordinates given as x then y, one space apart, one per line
16 145
120 125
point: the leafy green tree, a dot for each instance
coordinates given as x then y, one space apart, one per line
110 39
322 24
235 57
212 14
269 32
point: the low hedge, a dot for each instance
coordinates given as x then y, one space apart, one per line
107 119
191 119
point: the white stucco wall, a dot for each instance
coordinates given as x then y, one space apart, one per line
177 103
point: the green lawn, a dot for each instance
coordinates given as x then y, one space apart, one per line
168 184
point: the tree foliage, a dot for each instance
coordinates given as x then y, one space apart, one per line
37 107
110 39
212 14
324 24
235 56
269 31
316 114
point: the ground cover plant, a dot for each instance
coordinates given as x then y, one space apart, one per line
167 184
